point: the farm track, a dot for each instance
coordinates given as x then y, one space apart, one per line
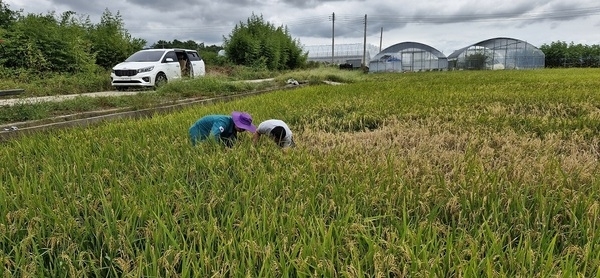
14 130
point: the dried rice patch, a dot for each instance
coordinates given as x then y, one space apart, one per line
428 149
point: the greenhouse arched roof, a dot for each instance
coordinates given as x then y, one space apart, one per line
491 44
408 57
407 45
497 54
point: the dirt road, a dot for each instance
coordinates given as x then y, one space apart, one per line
32 100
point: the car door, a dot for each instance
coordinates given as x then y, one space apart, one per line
171 66
197 64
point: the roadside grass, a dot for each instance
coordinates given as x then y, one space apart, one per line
57 84
452 174
317 76
209 86
51 84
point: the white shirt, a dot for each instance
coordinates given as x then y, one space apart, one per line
265 128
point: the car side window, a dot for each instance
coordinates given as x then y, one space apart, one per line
193 56
172 55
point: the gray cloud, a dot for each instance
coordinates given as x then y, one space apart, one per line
183 5
309 20
311 3
89 7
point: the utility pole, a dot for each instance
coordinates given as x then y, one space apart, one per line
332 36
365 45
380 39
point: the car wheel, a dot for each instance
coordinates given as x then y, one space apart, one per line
161 79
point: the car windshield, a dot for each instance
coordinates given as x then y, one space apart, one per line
146 56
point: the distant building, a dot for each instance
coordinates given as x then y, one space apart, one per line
408 56
344 53
497 54
491 54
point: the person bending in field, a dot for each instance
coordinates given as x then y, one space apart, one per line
277 130
221 128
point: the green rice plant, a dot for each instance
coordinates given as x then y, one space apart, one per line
437 174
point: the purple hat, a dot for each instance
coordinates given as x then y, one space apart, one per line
243 120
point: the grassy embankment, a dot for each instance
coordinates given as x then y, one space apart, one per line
439 174
216 83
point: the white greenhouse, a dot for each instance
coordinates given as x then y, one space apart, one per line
344 53
497 54
408 56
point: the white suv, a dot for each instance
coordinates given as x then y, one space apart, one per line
154 67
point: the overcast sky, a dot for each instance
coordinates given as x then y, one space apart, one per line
444 25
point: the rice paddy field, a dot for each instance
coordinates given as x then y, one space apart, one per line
433 174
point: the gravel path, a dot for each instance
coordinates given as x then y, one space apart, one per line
31 100
15 101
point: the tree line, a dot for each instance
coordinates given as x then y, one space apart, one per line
560 54
70 43
65 43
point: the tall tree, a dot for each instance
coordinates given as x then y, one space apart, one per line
260 44
7 16
111 42
42 43
561 54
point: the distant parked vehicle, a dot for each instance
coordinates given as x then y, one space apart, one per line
155 67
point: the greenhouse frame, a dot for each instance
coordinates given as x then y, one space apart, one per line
497 54
408 57
344 53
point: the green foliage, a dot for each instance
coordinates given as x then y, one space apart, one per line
66 43
36 43
65 84
318 75
476 61
49 84
7 16
249 73
23 112
261 45
190 44
211 48
210 57
561 54
111 42
208 86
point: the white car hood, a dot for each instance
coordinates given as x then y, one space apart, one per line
133 65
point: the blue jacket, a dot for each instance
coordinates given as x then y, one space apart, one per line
218 127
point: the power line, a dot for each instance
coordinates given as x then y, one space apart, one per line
566 13
450 18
